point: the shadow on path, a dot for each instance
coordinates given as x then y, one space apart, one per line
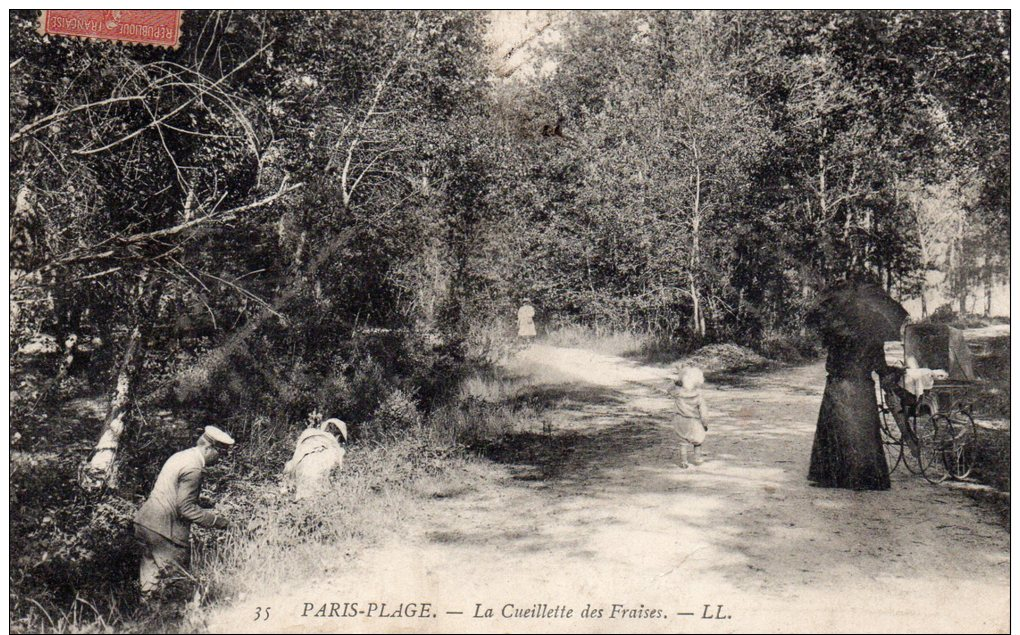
748 511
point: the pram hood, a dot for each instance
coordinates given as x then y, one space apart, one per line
939 346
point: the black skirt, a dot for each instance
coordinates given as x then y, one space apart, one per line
847 450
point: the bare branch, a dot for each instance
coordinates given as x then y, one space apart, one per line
93 253
49 120
173 112
212 217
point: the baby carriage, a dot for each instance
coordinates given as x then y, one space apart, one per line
926 419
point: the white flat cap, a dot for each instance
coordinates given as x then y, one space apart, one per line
338 424
218 436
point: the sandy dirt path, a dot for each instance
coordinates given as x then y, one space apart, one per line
596 513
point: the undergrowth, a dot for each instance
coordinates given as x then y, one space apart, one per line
86 580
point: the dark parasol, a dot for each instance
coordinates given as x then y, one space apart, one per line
857 313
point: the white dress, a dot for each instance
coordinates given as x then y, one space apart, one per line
690 416
316 453
526 321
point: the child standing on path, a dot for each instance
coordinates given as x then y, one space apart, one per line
690 424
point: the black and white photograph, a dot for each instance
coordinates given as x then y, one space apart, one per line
509 321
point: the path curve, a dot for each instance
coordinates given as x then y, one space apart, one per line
597 513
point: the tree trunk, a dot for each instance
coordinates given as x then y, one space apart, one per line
958 259
101 470
823 200
70 348
697 317
989 281
696 311
926 257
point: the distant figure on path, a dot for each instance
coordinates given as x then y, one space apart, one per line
526 320
690 423
316 453
163 524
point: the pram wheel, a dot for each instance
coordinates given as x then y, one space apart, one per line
892 441
932 436
960 442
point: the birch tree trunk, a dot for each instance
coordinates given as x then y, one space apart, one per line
101 470
70 348
697 317
920 223
823 206
989 283
960 265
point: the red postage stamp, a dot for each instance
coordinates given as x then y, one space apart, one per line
155 27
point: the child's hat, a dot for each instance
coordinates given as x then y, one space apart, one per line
693 374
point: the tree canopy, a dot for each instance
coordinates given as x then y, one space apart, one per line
267 216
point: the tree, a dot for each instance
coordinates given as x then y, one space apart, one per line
279 190
648 173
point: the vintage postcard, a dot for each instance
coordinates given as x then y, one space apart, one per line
509 321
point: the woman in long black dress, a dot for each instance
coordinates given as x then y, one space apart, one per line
847 450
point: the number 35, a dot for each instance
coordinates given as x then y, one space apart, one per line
261 614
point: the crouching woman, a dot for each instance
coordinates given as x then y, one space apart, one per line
316 454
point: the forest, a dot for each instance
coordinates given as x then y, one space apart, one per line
339 212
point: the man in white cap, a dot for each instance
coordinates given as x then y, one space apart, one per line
163 524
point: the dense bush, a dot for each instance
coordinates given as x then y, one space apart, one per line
789 347
944 314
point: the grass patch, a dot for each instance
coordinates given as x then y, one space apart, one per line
992 468
664 349
276 541
644 346
991 399
599 340
992 454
